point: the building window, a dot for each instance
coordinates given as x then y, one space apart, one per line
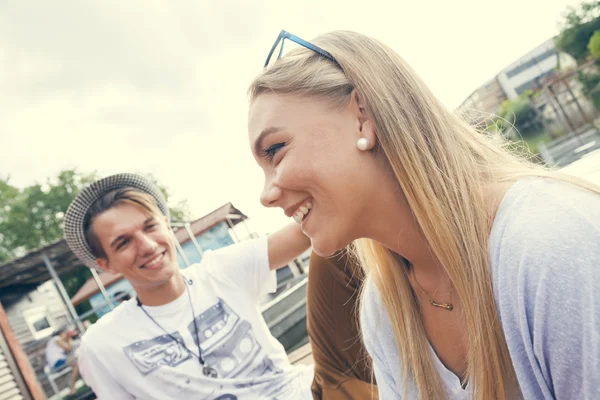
530 63
39 321
535 83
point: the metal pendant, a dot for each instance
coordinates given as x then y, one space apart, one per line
209 372
445 306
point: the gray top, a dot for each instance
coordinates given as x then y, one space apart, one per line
545 258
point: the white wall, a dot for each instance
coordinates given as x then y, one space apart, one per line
44 297
510 84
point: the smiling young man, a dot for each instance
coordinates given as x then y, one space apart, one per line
193 333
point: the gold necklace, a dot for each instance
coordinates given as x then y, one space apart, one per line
446 306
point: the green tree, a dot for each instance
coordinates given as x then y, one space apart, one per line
594 45
519 114
32 217
577 28
179 211
580 37
590 86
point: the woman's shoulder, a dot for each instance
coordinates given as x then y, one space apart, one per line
544 254
370 303
544 249
374 318
539 214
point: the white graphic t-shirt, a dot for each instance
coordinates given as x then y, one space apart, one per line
127 356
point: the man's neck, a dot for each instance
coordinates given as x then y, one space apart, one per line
163 294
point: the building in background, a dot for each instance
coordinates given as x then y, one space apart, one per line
558 119
33 305
18 380
529 72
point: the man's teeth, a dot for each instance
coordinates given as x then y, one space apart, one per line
301 212
154 262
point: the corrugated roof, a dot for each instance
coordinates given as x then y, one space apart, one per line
90 287
203 224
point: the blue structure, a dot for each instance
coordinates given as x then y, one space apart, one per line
216 237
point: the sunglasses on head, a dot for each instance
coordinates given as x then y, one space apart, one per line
278 48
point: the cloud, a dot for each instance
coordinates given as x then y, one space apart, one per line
160 86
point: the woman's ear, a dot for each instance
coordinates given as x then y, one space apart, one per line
366 127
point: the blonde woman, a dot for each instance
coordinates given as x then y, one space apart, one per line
482 268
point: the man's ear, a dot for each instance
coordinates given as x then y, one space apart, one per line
167 222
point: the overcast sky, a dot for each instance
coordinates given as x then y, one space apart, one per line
160 86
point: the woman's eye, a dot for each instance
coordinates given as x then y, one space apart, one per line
270 152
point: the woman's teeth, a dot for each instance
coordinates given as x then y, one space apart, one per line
302 212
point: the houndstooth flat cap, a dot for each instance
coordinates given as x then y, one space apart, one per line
75 215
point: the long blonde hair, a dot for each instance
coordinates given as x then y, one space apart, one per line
444 168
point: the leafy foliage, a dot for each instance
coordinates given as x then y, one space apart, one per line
578 26
32 217
519 114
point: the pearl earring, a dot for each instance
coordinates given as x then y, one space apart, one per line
362 144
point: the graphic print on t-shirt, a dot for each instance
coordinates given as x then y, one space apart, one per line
227 342
149 355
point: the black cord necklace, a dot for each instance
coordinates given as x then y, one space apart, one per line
206 369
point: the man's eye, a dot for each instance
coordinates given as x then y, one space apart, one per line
270 152
122 244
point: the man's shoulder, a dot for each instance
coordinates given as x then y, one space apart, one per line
52 342
104 329
215 260
236 250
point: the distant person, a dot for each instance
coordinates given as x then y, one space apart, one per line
483 275
342 366
60 353
196 333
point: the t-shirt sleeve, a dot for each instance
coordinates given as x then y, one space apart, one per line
96 374
376 337
243 266
547 288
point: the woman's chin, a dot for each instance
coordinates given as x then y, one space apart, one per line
324 249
